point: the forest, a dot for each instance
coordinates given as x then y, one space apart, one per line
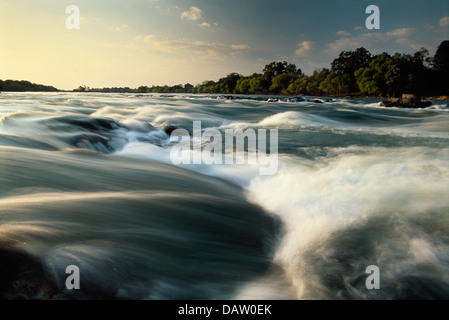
352 73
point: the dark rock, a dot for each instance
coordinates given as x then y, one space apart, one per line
169 129
76 122
317 101
22 275
425 104
407 101
391 103
410 99
104 144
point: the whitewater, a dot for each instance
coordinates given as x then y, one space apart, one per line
86 179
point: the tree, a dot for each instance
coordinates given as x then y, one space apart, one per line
243 85
335 84
281 83
274 70
313 85
188 88
299 86
441 68
256 85
350 61
143 89
228 84
441 58
208 86
379 77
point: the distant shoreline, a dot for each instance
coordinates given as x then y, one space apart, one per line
353 96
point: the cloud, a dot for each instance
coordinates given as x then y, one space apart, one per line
304 48
205 25
195 49
402 36
122 27
343 33
444 22
240 46
400 33
147 38
192 14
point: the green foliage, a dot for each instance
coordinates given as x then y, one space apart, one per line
350 61
243 85
373 79
299 86
228 84
318 76
256 85
280 83
335 84
393 75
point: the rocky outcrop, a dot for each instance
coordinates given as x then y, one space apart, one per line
407 101
169 129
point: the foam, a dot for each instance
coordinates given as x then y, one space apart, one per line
316 200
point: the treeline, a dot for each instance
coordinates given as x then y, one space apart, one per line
105 90
14 85
353 73
187 88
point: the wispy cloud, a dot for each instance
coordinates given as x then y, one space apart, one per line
205 25
193 49
304 48
122 28
403 36
193 14
343 33
444 22
240 46
147 38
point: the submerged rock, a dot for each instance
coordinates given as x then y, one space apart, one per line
169 129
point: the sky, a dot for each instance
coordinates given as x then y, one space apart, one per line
156 42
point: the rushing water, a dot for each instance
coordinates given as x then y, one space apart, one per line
86 180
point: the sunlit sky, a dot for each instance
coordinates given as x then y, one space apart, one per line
156 42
